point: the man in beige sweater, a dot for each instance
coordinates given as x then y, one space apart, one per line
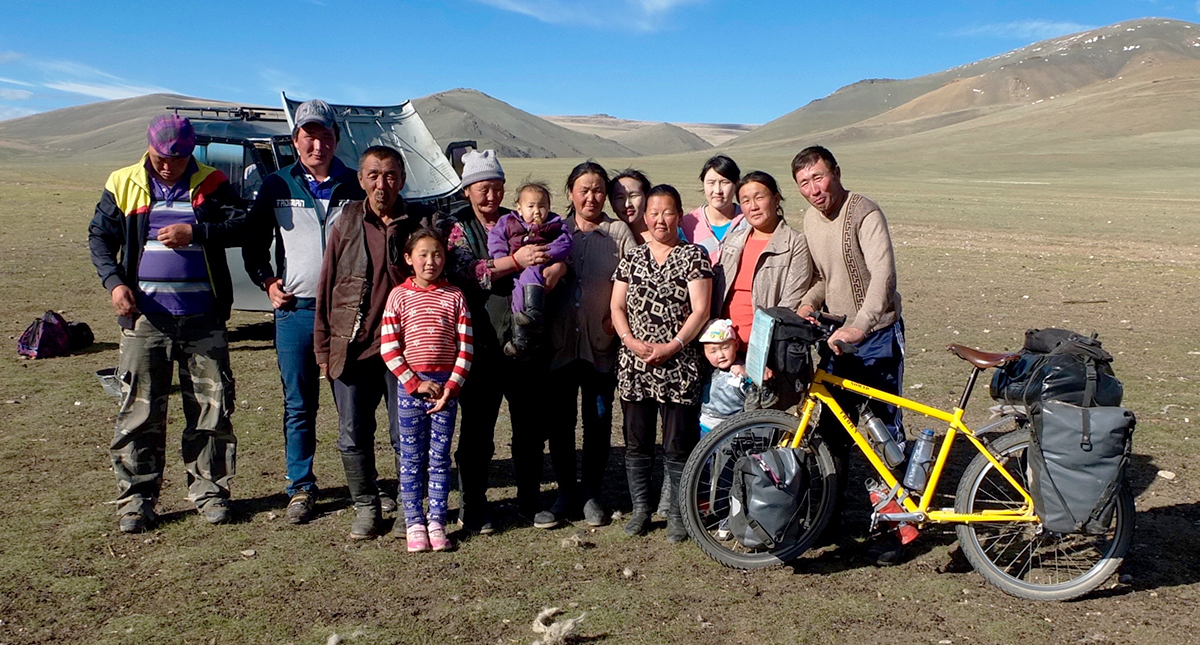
852 253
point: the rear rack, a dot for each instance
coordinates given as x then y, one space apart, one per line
235 113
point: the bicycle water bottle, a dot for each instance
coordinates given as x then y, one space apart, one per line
885 444
919 462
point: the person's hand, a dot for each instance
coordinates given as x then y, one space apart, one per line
807 311
641 349
431 389
849 335
324 367
768 374
607 325
738 369
660 352
441 401
555 272
279 298
530 255
175 235
123 301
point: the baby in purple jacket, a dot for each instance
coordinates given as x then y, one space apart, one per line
531 223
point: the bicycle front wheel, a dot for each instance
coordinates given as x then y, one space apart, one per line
707 479
1021 558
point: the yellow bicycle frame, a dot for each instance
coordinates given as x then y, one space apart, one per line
818 392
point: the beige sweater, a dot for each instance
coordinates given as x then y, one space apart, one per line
855 265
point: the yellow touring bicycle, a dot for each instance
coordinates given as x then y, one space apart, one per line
996 523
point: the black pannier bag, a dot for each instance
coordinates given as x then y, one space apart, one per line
765 497
1078 457
1059 365
792 340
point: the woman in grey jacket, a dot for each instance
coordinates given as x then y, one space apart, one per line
764 265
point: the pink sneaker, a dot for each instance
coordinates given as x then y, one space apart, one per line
437 537
418 539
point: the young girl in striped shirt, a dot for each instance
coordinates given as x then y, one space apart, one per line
426 342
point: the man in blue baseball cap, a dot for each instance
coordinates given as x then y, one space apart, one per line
158 242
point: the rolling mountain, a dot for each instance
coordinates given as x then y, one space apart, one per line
469 114
1042 71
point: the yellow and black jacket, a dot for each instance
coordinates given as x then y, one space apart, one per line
118 229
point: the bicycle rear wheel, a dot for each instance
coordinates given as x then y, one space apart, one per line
1021 558
708 477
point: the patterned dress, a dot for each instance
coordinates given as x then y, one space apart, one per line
657 305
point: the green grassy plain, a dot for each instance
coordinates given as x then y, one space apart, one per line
1090 238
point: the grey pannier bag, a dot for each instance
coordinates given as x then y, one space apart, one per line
765 497
1078 457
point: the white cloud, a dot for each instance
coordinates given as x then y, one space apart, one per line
1026 29
13 81
8 56
108 91
643 15
9 112
14 95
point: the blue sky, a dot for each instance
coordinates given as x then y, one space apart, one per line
664 60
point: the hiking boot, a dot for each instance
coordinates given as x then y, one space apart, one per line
418 538
594 513
300 508
399 529
387 503
364 526
437 537
889 551
216 512
542 519
135 522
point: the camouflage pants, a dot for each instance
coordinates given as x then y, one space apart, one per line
149 353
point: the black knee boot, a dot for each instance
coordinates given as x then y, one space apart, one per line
360 479
676 529
535 306
638 469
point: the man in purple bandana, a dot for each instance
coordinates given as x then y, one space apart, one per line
157 241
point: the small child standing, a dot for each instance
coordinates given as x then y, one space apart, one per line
532 223
728 386
426 341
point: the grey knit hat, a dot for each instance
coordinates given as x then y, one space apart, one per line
481 166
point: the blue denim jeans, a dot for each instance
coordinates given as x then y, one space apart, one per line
301 392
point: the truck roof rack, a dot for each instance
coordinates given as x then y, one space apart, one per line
232 113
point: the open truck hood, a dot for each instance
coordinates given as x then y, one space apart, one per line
430 175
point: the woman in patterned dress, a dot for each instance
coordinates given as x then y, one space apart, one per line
660 302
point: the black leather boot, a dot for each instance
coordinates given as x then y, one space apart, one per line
638 469
360 479
535 306
676 529
521 342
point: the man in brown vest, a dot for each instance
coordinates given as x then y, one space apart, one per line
855 268
360 267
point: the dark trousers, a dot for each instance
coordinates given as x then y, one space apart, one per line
879 363
594 390
681 428
357 393
495 377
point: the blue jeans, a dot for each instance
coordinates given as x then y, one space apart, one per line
301 392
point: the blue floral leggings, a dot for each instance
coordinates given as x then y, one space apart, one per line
423 445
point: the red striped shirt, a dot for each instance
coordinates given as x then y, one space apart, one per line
427 329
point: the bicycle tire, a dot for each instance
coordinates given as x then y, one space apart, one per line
1022 559
706 503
